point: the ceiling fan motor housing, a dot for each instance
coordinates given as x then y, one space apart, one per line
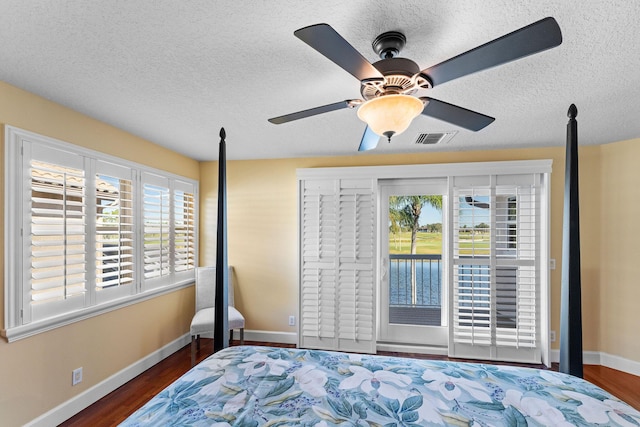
399 77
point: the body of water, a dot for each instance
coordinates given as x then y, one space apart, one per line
428 282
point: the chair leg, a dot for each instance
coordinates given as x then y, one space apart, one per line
193 349
241 336
230 336
198 341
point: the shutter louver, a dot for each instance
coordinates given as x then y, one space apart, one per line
156 231
58 221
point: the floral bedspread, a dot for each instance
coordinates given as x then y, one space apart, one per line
263 386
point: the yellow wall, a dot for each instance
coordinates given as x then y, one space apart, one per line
619 210
35 372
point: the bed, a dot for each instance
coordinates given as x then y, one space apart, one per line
266 386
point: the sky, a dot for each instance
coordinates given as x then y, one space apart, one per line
430 215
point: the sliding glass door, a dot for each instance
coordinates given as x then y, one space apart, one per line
451 259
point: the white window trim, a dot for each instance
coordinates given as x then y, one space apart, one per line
15 176
439 170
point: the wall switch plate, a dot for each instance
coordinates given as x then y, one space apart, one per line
292 320
552 336
552 264
76 376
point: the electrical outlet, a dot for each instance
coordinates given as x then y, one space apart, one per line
76 376
292 320
552 336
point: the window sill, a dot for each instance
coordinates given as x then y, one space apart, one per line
16 333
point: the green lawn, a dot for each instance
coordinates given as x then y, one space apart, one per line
427 243
431 243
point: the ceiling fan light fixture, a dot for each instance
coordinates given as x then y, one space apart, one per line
390 115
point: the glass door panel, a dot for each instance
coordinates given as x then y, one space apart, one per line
413 278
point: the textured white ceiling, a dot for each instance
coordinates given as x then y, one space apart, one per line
174 72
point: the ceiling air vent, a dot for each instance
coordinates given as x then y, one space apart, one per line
435 138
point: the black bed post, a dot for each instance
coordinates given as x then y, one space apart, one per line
221 326
571 304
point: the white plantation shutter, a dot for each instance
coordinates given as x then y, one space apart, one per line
55 225
517 278
156 229
472 298
319 232
495 275
114 211
184 227
337 229
355 275
87 233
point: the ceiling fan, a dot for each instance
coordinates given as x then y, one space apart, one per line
389 86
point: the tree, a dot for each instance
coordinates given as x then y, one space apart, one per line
405 212
435 228
395 224
483 227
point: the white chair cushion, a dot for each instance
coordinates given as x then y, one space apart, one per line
203 321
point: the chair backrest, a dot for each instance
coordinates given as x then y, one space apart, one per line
206 287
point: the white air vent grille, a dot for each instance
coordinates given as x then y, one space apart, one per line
434 137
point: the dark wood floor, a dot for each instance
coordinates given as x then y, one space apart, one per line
122 402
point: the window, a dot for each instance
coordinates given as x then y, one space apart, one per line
87 233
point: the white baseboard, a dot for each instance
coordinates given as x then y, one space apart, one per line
420 349
604 359
76 404
588 357
620 363
264 336
270 336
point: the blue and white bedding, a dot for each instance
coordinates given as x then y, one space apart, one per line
264 386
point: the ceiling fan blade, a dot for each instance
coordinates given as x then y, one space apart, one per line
455 115
369 140
312 112
537 37
328 42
